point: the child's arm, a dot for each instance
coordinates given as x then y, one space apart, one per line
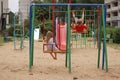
75 18
73 13
83 15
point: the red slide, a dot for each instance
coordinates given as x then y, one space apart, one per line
61 36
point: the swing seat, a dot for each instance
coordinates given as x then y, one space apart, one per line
82 32
51 51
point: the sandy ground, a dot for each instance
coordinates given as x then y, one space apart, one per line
14 64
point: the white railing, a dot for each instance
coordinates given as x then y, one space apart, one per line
114 8
118 18
108 19
108 10
108 1
115 18
119 6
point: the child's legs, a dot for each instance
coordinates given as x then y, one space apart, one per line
54 55
85 30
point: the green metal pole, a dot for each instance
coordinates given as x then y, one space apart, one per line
76 38
21 32
33 19
94 29
85 34
80 41
14 32
39 32
66 63
104 31
99 43
99 37
84 40
68 49
31 36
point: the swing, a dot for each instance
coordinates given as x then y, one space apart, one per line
51 51
79 27
60 40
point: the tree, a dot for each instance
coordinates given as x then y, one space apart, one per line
88 1
11 15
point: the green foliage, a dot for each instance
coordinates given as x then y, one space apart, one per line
47 27
90 1
11 30
110 30
114 34
1 40
41 12
26 23
26 27
11 19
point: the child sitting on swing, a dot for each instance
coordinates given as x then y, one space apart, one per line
79 25
50 44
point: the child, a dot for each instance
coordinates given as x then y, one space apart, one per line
50 44
79 26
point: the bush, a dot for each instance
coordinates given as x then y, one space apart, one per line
114 34
10 31
26 28
26 23
110 30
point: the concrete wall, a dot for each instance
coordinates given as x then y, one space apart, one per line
24 8
5 10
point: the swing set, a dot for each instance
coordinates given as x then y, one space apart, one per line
62 32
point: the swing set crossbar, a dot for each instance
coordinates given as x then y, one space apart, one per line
66 4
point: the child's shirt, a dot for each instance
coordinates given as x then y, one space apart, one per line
80 28
51 45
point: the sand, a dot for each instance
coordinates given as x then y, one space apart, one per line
14 64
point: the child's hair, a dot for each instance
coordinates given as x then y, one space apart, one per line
79 21
48 36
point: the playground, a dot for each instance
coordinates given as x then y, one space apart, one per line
74 49
14 64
